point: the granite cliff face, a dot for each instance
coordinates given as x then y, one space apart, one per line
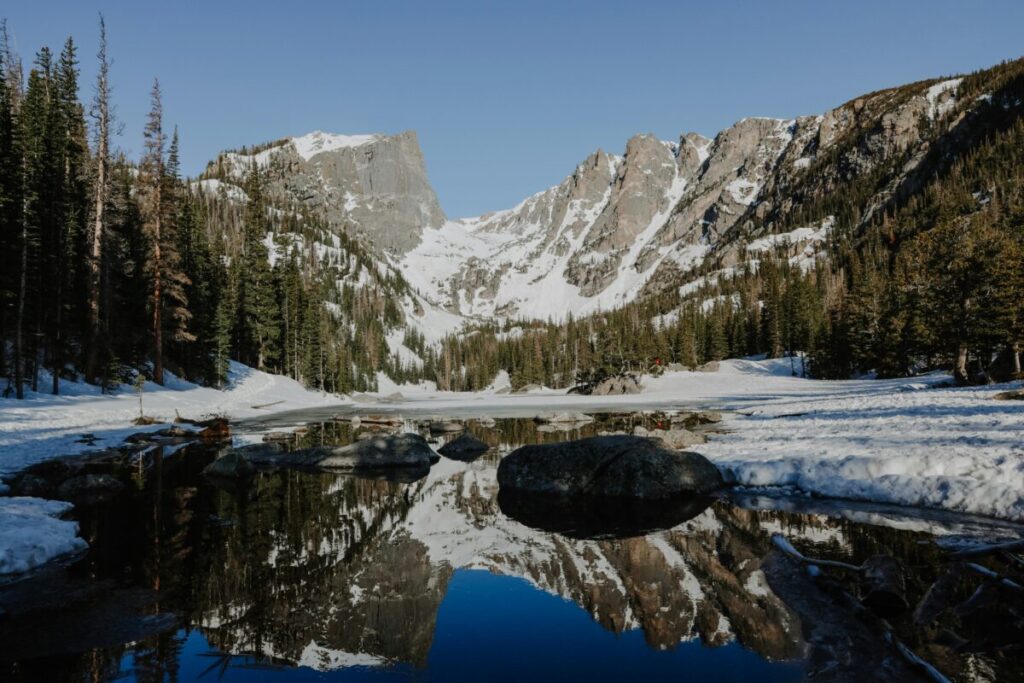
617 227
375 185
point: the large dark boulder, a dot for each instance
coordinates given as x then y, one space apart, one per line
598 517
609 466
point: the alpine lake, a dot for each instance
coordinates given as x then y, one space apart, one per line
296 575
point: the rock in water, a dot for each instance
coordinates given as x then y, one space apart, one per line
401 450
674 438
563 418
1016 395
233 465
91 487
446 426
613 466
465 448
708 417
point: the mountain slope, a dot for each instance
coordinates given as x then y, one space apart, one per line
663 217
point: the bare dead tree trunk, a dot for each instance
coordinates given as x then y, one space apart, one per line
101 105
1015 358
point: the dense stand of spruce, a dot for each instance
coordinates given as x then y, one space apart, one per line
109 266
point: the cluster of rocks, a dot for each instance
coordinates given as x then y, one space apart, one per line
97 475
383 451
617 385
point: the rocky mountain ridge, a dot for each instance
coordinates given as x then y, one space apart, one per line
664 214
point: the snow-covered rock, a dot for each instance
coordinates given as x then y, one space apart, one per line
31 533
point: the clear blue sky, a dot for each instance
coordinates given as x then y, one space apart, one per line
506 97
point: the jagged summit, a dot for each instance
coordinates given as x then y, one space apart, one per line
614 228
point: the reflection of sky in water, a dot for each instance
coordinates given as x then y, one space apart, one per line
336 577
495 628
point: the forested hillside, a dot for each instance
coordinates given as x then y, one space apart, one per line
112 265
884 236
888 260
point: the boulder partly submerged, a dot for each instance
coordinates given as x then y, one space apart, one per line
377 452
608 466
596 517
563 418
398 450
465 448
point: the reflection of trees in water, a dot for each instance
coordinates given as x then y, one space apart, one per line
360 567
306 550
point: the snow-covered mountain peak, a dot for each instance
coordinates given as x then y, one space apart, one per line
318 142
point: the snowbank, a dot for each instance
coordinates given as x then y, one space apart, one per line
44 425
902 441
31 533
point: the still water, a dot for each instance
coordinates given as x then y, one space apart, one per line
298 576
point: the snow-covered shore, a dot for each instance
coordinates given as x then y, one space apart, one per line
912 442
43 425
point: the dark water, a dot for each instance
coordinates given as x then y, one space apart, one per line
317 576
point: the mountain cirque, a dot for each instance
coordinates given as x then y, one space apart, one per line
617 226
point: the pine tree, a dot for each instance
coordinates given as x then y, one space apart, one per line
10 219
103 117
258 327
151 186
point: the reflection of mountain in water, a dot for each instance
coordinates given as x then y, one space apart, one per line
333 571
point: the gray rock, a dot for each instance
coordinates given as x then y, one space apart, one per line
89 485
709 417
446 426
401 450
232 465
673 438
613 466
1015 395
526 388
365 398
710 366
465 447
618 386
563 418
